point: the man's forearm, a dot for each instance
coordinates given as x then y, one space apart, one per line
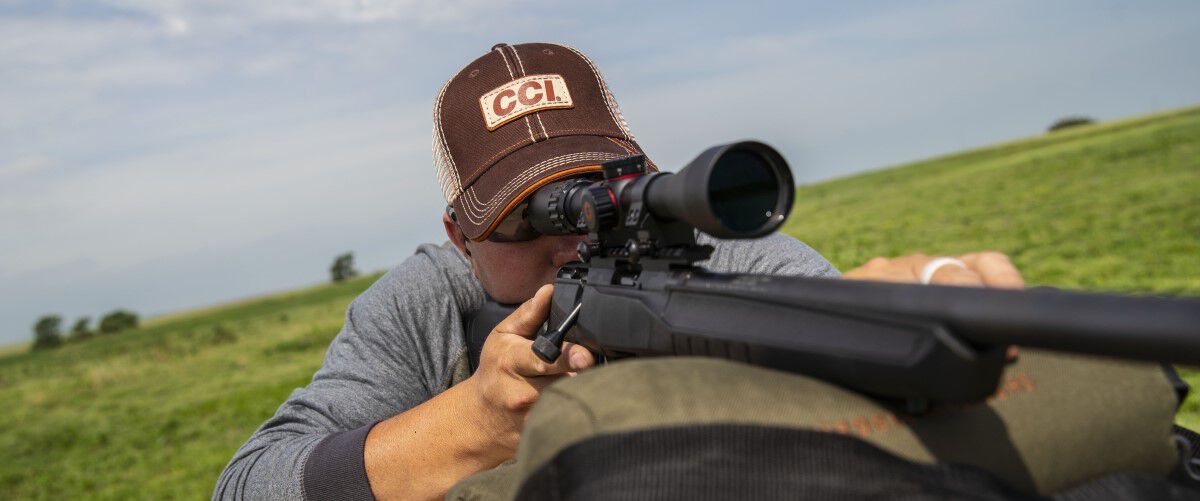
422 452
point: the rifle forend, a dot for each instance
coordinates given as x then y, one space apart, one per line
907 341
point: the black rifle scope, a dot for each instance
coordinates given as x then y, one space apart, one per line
736 190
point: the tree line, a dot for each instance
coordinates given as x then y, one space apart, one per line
48 332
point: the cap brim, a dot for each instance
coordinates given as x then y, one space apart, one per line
500 188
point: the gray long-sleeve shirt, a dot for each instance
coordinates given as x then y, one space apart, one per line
402 344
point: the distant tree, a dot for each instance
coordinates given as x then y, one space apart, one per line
1068 122
82 329
47 333
343 267
117 321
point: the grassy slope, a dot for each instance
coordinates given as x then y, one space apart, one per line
157 413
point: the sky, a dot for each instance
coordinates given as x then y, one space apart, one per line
160 155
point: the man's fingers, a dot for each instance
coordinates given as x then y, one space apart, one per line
530 316
905 269
574 358
991 269
995 268
528 364
914 263
953 274
579 358
947 274
525 322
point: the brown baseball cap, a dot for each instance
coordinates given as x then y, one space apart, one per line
517 118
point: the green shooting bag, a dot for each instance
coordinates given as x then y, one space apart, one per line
1057 421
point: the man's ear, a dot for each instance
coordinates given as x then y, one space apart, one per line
455 234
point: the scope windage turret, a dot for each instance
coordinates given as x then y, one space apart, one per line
736 190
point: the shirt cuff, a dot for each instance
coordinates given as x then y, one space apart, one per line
336 469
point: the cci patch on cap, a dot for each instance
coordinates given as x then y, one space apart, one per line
523 96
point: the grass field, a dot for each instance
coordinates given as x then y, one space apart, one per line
157 412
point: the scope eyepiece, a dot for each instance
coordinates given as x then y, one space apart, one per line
555 209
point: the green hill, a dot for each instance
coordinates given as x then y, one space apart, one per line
157 412
1111 206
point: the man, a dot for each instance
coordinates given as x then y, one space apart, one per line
393 412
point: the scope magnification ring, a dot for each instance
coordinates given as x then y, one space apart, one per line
555 209
599 210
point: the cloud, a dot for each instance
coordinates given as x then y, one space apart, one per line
239 13
24 166
176 25
85 65
59 73
222 193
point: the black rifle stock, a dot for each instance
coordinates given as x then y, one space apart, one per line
884 339
636 292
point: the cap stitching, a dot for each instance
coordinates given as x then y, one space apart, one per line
476 210
634 149
521 65
479 217
593 132
487 230
638 147
513 76
623 146
521 144
495 122
600 83
610 102
487 163
473 204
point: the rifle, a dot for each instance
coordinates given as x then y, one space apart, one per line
636 291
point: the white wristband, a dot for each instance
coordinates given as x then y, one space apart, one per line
931 268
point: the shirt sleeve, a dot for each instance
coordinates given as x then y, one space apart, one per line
384 361
774 254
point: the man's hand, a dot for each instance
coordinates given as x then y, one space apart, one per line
983 269
511 377
474 425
